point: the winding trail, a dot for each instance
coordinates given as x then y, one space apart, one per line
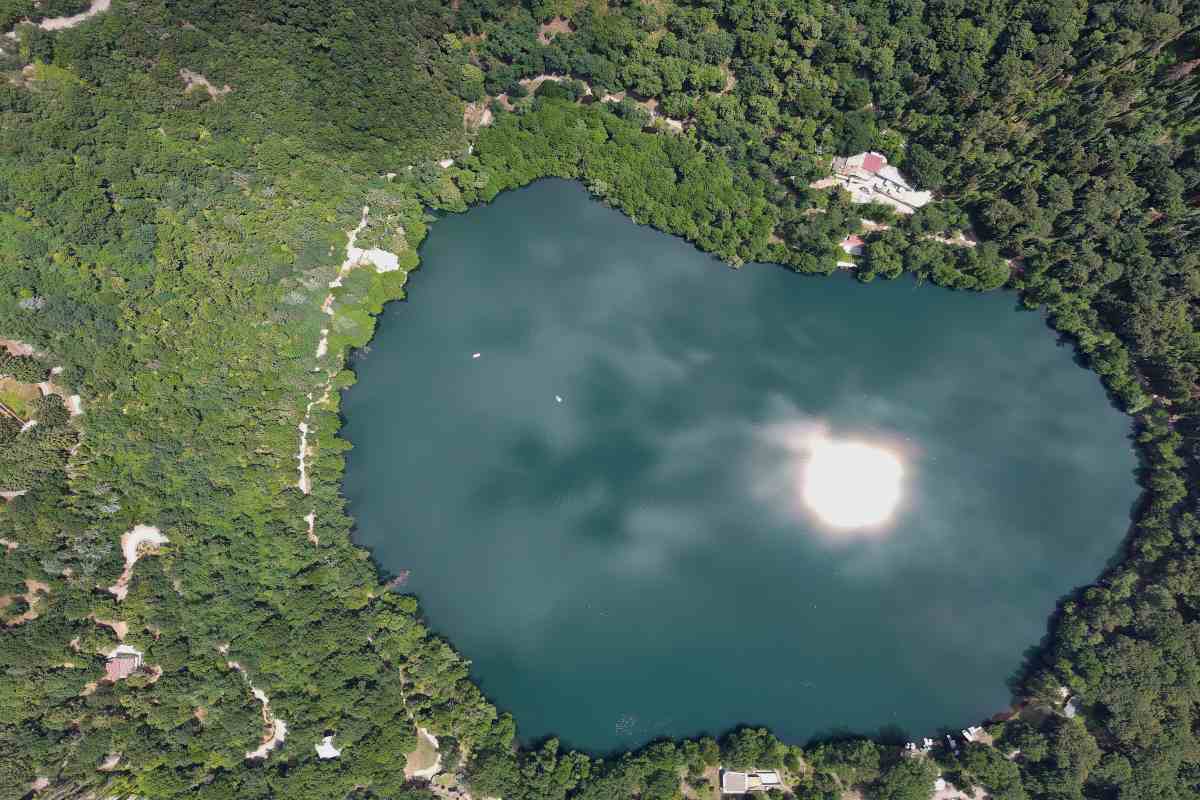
356 256
62 23
131 543
274 729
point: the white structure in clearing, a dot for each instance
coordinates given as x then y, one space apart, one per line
753 781
870 179
326 750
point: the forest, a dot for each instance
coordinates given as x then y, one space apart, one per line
168 249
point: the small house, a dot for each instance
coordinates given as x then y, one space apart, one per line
122 662
853 244
753 781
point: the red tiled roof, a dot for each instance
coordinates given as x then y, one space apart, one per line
120 667
872 162
853 240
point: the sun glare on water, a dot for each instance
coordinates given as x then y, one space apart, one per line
850 485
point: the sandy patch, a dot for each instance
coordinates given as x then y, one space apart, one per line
119 628
61 23
110 763
142 539
8 544
382 260
33 588
303 483
712 775
478 115
960 239
950 792
18 398
274 730
425 761
195 80
274 735
555 27
531 84
13 495
17 348
325 748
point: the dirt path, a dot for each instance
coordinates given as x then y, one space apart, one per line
131 543
555 27
195 80
62 23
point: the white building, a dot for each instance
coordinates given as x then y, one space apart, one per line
870 179
753 781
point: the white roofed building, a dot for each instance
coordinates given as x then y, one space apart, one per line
870 179
733 782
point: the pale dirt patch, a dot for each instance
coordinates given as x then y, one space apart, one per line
950 792
8 544
274 729
425 761
33 588
110 763
61 23
196 80
555 27
17 348
325 748
132 543
959 239
712 775
119 628
477 115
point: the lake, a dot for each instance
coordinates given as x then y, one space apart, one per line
603 510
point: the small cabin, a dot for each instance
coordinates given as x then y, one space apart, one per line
123 662
733 782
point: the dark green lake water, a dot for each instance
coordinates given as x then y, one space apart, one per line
630 562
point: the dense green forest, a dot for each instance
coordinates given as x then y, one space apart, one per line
177 182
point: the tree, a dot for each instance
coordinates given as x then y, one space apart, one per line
907 779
